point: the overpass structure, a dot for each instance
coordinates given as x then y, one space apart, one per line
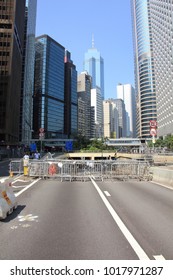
124 142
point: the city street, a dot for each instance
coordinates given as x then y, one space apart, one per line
90 220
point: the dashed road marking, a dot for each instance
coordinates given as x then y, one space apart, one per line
107 193
159 257
134 244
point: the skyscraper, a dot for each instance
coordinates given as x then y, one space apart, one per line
84 104
12 23
144 66
70 97
28 72
94 65
127 94
161 13
111 119
120 106
48 100
97 103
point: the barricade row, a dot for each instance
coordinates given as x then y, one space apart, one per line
82 170
16 166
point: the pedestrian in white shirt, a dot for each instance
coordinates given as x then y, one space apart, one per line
37 155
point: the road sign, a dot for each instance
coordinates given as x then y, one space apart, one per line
41 134
69 145
41 130
153 124
153 131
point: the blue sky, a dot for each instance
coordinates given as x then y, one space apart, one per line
72 23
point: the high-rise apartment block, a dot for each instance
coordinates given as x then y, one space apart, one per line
94 65
12 24
127 93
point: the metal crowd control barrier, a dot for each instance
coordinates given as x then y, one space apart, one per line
84 169
16 166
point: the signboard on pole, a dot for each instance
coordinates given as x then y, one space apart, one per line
41 129
153 131
153 128
153 124
69 145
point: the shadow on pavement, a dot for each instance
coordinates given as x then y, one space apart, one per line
13 215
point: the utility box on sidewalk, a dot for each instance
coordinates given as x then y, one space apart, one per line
7 201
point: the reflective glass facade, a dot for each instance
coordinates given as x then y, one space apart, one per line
144 66
71 100
28 72
48 107
94 65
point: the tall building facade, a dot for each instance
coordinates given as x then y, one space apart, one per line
127 93
107 118
84 83
161 13
70 98
97 103
28 72
120 106
48 100
12 23
144 66
94 65
110 119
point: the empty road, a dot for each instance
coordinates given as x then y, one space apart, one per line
90 220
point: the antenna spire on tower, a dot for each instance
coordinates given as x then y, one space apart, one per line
93 41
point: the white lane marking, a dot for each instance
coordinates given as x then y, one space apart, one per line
3 179
167 187
135 245
19 193
159 257
106 193
17 178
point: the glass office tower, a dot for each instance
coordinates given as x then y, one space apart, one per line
144 66
71 98
94 65
28 72
48 101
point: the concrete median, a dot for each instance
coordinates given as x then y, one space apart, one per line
163 175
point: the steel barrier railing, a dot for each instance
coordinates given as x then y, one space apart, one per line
84 169
16 166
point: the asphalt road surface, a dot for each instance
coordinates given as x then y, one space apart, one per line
84 220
